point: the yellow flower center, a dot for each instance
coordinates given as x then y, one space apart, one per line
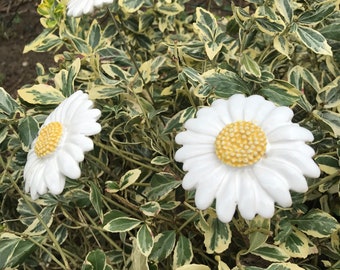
48 139
240 144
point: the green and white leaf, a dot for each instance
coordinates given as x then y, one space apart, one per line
96 260
150 208
330 120
131 6
282 45
313 40
96 200
183 253
285 9
249 65
28 130
145 240
41 94
271 253
8 105
296 245
284 266
163 246
121 224
317 223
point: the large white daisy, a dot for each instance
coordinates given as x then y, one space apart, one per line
60 145
76 8
245 152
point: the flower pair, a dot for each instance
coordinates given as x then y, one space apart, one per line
244 152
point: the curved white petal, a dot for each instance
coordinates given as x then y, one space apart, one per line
279 116
273 183
67 165
251 106
74 150
206 190
192 150
221 107
236 105
77 8
308 167
189 137
290 132
53 179
193 162
226 197
202 126
293 175
263 112
247 197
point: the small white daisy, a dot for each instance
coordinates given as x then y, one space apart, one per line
76 8
60 145
245 152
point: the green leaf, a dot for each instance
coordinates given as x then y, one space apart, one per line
226 84
281 93
64 80
95 260
271 253
281 44
161 185
160 160
317 15
163 246
217 235
285 9
14 250
150 208
296 245
270 27
37 227
258 237
183 253
176 122
284 266
249 65
193 267
329 96
317 223
327 163
131 6
94 35
44 42
129 178
169 8
28 129
121 224
331 120
208 30
331 31
96 200
42 94
145 240
313 40
8 105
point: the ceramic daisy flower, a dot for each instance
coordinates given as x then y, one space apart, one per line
76 8
62 140
245 152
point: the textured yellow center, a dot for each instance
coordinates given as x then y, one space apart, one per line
48 139
240 144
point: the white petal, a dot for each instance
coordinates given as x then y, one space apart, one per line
82 141
293 175
194 162
208 114
67 165
86 128
226 198
247 196
54 180
278 117
206 190
298 146
289 132
273 184
202 126
251 106
263 112
303 162
221 107
236 106
189 137
74 150
192 150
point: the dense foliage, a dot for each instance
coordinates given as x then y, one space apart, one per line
149 65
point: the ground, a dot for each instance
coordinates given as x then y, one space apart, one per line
19 25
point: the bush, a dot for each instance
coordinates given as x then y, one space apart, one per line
149 66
